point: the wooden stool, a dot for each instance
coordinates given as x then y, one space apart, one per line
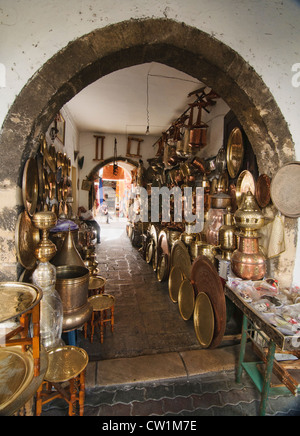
96 285
65 378
101 305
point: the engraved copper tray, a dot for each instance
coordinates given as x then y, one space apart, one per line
30 186
186 299
65 363
175 279
205 278
96 282
164 253
235 152
180 257
263 190
285 190
17 298
27 237
204 322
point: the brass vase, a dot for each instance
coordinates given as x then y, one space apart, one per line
227 236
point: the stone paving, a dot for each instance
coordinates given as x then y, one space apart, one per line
153 364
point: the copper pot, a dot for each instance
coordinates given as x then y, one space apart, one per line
248 262
220 201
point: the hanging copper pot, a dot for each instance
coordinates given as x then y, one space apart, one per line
198 131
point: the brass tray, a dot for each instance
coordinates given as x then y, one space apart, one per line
205 278
175 279
180 257
263 190
16 374
17 298
30 186
285 190
245 182
149 251
27 237
101 302
186 299
235 152
65 363
96 282
204 322
162 267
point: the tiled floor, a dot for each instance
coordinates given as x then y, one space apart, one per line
146 320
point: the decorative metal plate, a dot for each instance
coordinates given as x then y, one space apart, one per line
162 267
175 279
245 182
17 298
16 373
180 257
205 278
263 190
65 363
186 299
101 302
27 237
96 282
285 190
204 322
30 186
235 152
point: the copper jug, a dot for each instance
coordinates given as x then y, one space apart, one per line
248 262
198 130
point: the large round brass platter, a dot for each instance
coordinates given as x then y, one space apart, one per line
205 278
263 190
245 183
180 257
162 267
204 322
16 373
27 237
65 363
30 186
186 299
235 152
285 190
17 298
149 251
175 279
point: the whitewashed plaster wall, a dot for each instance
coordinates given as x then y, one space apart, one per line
264 32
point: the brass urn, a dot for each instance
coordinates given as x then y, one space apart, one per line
249 217
227 236
248 262
44 221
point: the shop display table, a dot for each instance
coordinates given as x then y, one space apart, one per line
266 339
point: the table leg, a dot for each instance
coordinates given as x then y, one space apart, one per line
243 349
267 378
82 393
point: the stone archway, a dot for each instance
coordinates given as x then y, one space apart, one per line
130 43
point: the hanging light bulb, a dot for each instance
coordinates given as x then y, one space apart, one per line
147 131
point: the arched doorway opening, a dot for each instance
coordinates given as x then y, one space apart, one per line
134 42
